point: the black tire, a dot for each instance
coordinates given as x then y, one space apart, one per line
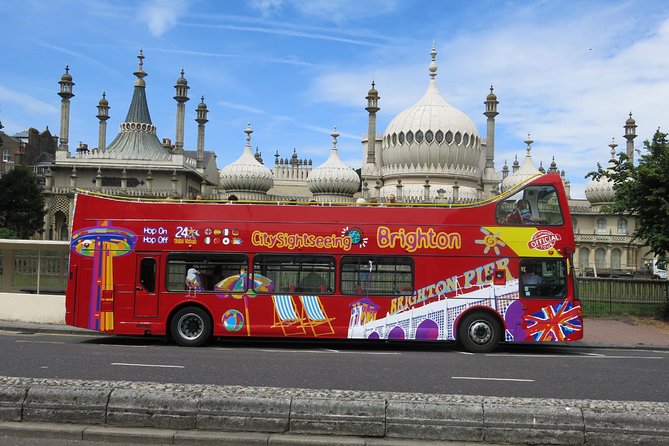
191 327
479 332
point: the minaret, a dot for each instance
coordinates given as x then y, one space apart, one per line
181 98
66 94
630 134
372 108
103 115
201 121
489 174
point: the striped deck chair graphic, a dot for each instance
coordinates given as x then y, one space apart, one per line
314 315
286 317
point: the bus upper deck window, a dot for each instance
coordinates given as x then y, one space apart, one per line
533 205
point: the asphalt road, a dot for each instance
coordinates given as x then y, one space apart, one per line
514 371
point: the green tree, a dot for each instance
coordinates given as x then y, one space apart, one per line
21 202
642 192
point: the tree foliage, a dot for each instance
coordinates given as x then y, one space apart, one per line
21 202
642 192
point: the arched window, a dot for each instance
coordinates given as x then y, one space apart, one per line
622 226
584 259
601 226
600 259
615 258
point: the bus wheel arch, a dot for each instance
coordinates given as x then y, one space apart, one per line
191 325
480 330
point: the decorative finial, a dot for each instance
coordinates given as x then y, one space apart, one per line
613 146
67 71
491 89
140 72
433 63
334 135
182 72
248 132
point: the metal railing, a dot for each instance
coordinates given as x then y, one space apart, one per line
33 266
615 297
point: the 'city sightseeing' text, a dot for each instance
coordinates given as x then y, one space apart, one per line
284 240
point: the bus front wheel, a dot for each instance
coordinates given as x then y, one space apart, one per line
191 327
479 332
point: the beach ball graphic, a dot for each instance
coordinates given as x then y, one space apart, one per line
233 320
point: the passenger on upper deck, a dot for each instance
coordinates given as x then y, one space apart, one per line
522 214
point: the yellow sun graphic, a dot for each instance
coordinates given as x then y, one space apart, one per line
490 241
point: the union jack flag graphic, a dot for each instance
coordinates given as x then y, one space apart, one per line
554 323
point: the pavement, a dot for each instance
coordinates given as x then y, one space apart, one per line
626 332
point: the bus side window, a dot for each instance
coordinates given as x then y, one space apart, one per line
543 278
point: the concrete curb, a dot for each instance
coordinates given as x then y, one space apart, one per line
262 415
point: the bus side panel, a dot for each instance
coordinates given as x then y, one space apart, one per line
78 310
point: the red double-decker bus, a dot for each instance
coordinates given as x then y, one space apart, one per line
480 274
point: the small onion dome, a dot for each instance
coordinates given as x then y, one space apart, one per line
630 120
491 96
67 77
182 80
372 91
333 177
601 190
246 174
203 106
525 172
103 102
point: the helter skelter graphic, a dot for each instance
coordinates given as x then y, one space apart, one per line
102 243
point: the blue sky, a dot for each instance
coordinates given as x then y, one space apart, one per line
568 72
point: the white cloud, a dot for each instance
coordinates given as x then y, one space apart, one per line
329 11
569 82
241 107
161 15
26 102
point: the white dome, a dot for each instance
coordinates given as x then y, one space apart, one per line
601 190
246 174
333 177
524 173
432 132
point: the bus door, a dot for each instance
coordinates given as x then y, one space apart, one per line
147 280
79 291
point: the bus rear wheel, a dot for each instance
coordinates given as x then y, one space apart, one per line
191 327
479 332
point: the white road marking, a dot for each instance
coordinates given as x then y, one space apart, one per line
319 351
493 379
27 341
163 366
571 356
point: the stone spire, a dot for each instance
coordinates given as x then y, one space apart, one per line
489 174
201 121
103 115
181 97
630 134
137 136
66 94
372 108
